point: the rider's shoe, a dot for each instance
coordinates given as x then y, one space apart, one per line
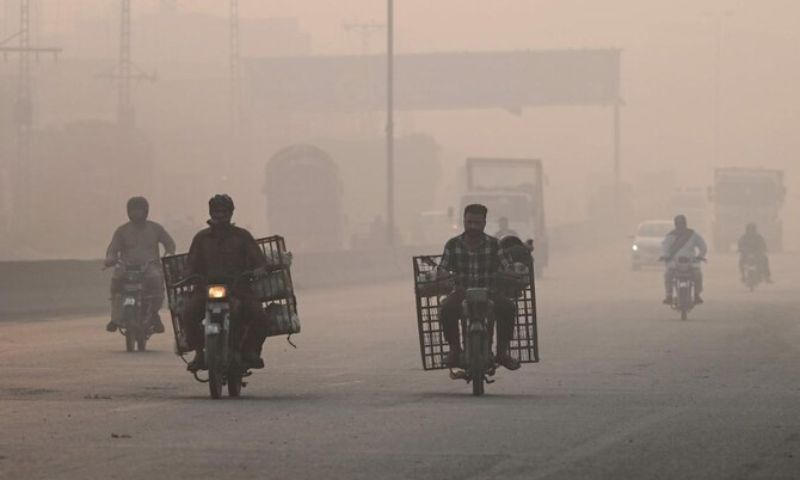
508 361
252 360
198 362
453 358
769 280
158 327
667 300
111 326
698 299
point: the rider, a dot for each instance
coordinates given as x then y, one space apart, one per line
474 258
683 242
504 231
752 243
226 251
136 243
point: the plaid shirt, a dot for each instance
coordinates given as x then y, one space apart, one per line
474 268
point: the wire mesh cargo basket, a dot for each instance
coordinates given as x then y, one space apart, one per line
275 290
430 291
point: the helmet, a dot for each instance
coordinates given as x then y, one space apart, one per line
137 203
680 220
751 227
221 201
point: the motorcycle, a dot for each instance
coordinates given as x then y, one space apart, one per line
223 360
476 363
272 286
137 310
752 273
683 286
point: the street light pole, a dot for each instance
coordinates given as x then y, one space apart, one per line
390 220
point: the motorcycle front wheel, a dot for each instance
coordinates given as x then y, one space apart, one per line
477 362
235 384
141 342
130 341
214 362
128 319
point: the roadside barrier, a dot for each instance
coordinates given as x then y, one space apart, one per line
63 287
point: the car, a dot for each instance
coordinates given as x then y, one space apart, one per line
646 248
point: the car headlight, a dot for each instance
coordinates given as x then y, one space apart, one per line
635 248
217 291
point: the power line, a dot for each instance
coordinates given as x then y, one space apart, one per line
18 203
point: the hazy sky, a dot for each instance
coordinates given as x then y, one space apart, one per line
668 73
668 76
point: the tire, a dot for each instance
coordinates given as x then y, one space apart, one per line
141 342
130 341
636 267
235 384
683 302
477 362
214 362
128 320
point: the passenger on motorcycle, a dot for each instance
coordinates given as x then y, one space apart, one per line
136 243
224 250
504 230
683 242
752 243
474 259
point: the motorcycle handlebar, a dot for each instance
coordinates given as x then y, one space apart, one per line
120 263
252 274
696 259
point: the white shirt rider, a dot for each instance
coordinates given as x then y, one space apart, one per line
694 247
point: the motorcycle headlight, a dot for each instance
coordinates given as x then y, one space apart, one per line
217 292
635 248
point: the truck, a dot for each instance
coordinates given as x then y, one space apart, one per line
304 198
747 195
512 188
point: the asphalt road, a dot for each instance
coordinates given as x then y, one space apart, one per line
625 390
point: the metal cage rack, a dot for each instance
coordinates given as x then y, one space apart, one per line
429 293
275 290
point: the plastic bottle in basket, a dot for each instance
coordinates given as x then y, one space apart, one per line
283 322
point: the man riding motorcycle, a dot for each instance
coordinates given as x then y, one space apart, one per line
136 243
474 258
224 250
752 243
682 242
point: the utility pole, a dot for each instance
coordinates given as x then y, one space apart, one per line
126 72
234 65
17 175
617 148
390 221
125 113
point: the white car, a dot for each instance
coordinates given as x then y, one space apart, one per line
646 248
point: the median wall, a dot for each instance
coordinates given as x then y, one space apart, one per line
53 287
